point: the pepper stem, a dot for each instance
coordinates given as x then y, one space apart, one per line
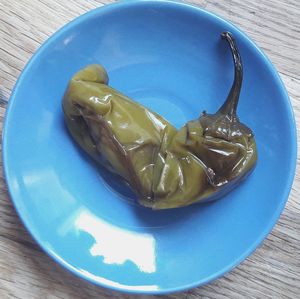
231 103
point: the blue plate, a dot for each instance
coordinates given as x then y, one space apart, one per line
168 56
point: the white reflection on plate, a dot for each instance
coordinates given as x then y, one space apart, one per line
103 280
117 245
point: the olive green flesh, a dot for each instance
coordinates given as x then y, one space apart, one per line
166 167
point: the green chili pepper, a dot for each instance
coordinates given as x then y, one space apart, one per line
166 167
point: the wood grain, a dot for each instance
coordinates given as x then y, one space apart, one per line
273 271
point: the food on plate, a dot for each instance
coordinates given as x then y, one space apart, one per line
166 167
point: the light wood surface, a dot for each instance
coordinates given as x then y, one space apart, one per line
273 271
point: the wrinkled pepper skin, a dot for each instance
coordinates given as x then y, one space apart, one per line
166 167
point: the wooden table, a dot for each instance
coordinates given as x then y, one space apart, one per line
273 271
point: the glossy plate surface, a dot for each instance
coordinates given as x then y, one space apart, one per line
168 56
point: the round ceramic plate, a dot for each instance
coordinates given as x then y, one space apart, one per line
170 57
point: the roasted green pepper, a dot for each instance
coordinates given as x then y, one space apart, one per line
166 167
